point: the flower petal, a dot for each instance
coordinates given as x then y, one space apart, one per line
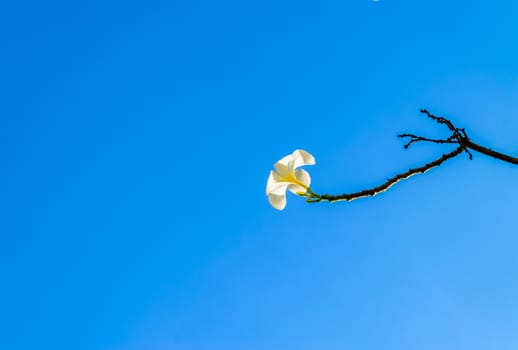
283 170
278 201
294 188
271 184
287 160
281 189
303 176
301 157
275 184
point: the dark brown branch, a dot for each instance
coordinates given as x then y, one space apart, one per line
458 136
313 197
415 138
440 120
489 152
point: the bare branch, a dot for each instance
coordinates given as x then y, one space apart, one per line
313 197
489 152
415 138
439 120
458 136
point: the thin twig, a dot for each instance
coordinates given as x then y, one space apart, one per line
415 138
440 120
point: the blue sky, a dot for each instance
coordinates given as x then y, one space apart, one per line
136 142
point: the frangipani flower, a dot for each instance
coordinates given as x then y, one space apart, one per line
287 176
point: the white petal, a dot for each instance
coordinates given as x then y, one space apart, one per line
272 183
279 188
275 184
278 201
287 160
301 157
303 176
283 170
294 188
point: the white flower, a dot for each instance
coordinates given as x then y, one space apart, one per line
286 176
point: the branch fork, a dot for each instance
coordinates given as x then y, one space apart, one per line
458 137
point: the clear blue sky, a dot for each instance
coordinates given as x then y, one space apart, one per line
137 138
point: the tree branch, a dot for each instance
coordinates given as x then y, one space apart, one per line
489 152
415 138
458 136
313 197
